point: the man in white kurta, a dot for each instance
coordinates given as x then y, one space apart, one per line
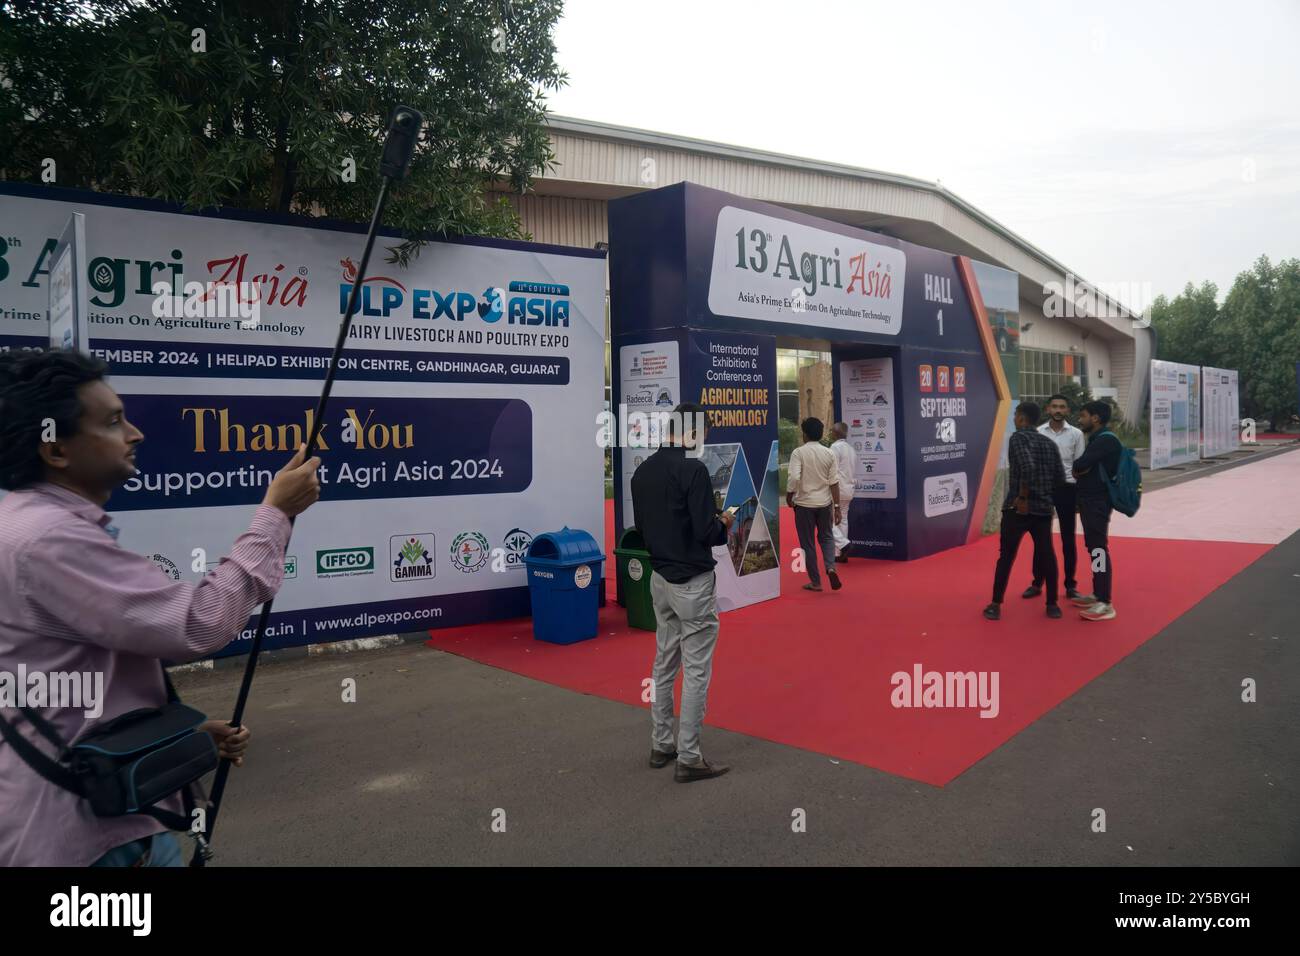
846 464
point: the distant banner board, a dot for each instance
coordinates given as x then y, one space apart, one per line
1175 413
1220 411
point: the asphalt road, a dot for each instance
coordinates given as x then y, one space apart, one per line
413 771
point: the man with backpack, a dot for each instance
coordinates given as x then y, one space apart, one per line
1104 482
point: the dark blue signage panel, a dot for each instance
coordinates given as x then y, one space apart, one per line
690 258
206 451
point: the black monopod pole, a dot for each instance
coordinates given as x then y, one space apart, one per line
403 132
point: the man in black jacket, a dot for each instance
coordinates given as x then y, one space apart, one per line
1103 453
672 498
1034 475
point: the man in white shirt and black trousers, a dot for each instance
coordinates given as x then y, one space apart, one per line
1070 442
813 490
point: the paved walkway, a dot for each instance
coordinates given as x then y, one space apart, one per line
1255 503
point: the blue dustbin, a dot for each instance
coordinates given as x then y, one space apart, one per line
564 585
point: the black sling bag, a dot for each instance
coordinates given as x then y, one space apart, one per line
127 764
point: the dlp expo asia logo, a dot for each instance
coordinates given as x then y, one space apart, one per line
525 303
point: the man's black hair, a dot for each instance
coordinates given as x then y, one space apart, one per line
1031 412
1061 397
685 415
35 386
1100 409
813 428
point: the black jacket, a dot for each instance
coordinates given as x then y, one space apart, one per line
1104 450
672 497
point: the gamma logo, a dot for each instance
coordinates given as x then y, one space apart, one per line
515 545
469 551
410 556
343 562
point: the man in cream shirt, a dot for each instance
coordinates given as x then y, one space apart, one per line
813 490
846 463
1071 444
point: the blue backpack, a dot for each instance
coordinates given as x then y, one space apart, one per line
1125 487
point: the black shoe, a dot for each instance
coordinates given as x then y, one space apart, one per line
700 771
1071 594
993 612
1053 611
660 759
836 584
841 559
1032 591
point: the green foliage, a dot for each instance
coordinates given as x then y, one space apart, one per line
267 116
789 438
1256 331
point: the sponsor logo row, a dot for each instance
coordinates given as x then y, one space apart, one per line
411 557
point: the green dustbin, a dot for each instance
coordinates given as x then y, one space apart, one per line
634 580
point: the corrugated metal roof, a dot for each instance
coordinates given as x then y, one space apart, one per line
601 153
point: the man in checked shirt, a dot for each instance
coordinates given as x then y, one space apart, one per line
1035 473
71 600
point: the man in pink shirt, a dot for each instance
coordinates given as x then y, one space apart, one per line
72 601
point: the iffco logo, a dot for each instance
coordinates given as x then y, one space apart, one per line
411 557
469 551
521 303
516 545
342 561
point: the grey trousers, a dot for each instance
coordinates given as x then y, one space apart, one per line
687 615
815 523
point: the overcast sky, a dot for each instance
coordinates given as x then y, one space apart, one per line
1135 142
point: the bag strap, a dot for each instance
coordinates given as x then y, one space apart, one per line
172 696
46 729
51 770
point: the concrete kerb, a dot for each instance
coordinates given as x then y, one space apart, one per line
306 650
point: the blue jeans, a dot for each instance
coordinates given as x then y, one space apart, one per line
161 849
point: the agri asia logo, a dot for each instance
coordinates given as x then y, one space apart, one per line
519 303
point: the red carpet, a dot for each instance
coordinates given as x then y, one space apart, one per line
813 670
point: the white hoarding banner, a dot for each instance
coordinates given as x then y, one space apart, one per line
1221 411
1175 413
462 422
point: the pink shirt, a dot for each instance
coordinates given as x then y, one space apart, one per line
71 600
